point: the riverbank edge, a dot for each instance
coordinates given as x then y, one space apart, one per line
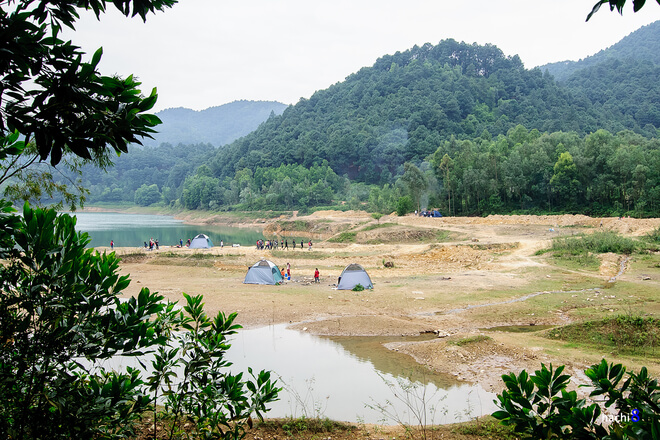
247 219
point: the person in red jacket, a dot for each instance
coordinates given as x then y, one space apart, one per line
316 275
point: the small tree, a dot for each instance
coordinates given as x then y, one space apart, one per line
415 181
404 205
377 216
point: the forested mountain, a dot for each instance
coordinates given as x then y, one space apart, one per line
455 126
407 104
642 45
216 125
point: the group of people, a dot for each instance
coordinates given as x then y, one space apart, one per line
287 274
271 244
152 243
282 244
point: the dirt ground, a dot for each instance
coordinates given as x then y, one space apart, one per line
455 277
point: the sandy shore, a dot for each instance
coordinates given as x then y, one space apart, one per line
452 276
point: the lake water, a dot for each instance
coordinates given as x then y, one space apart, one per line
347 378
343 378
132 230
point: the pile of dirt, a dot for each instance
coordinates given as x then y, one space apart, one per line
622 225
395 234
316 229
341 215
366 325
452 258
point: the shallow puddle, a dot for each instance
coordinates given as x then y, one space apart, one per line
349 378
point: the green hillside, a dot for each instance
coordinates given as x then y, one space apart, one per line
643 44
404 106
458 127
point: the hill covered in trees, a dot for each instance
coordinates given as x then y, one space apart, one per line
641 45
216 125
455 126
404 106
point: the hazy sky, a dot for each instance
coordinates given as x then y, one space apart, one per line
204 53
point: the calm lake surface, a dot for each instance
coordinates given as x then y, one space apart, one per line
346 378
132 230
342 378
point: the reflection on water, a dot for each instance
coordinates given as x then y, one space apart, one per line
132 230
338 377
345 378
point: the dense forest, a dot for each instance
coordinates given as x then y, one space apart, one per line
643 44
454 126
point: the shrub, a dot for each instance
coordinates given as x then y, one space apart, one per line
61 314
539 406
404 205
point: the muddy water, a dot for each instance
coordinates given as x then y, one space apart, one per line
348 378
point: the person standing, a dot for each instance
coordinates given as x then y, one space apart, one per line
222 244
181 242
301 245
286 244
310 245
288 271
112 244
316 275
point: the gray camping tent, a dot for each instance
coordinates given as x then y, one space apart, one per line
263 272
201 242
353 275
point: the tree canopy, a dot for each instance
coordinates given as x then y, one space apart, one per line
51 96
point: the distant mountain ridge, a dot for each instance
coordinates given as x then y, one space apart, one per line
642 44
218 125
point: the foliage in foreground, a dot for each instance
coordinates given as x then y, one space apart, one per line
539 405
62 315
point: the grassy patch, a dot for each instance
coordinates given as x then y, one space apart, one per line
303 255
198 259
471 340
344 237
493 246
133 257
193 256
599 242
378 226
486 427
581 251
654 236
626 334
294 225
303 425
